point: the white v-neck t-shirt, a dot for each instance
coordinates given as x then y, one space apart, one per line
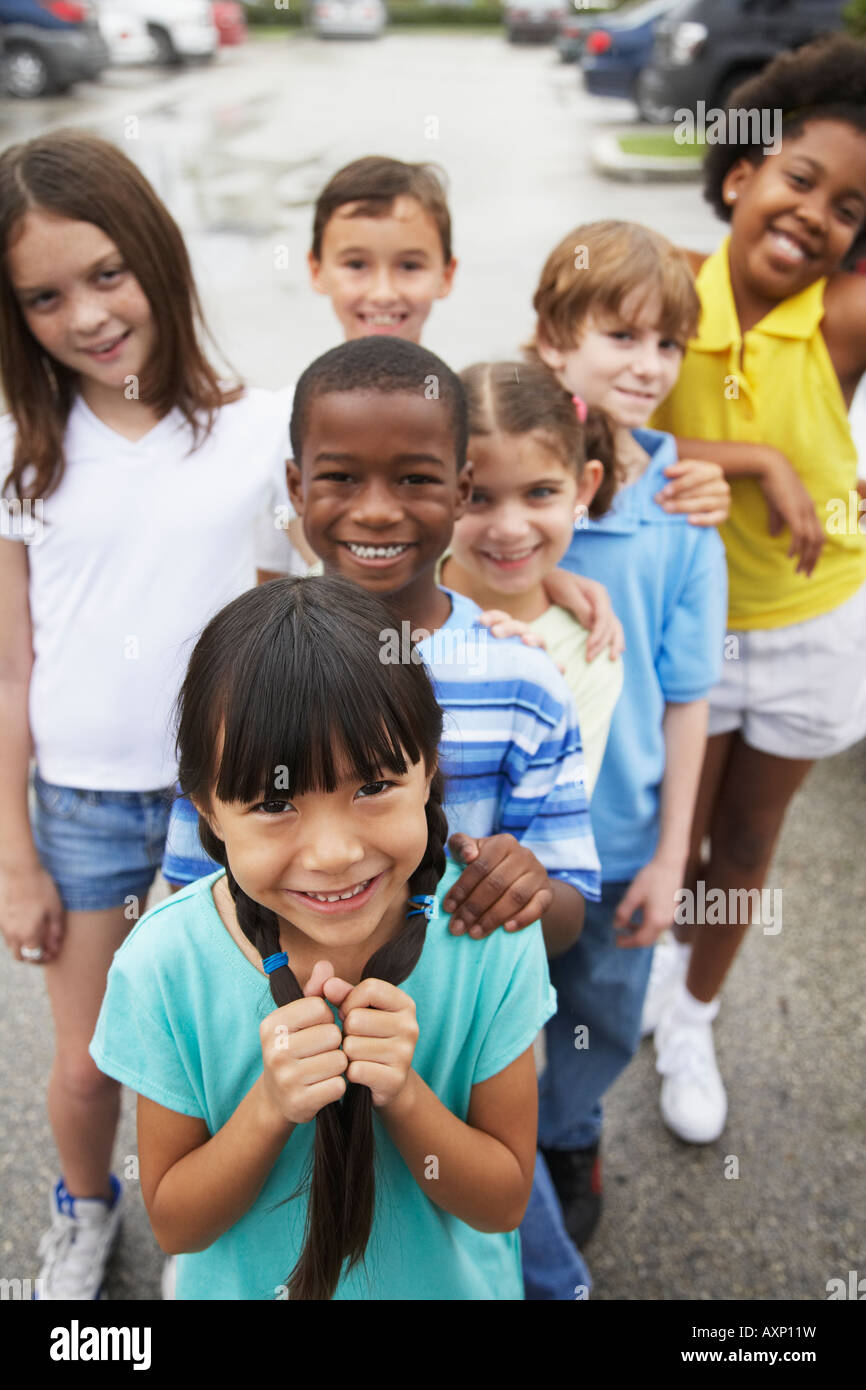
141 544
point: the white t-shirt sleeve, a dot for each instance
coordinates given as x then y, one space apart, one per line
273 548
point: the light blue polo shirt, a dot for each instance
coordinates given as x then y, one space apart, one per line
667 582
180 1024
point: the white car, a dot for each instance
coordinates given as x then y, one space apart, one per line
126 36
349 19
180 29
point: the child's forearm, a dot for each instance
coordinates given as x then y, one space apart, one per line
685 732
214 1185
17 849
736 460
463 1170
562 923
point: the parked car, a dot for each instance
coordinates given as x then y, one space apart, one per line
576 26
349 19
706 48
574 30
46 45
231 22
125 33
181 29
616 50
533 20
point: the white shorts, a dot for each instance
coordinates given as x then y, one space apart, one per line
798 691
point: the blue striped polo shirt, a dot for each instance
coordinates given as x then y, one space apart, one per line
510 751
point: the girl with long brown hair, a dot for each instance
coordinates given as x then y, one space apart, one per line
135 480
337 1097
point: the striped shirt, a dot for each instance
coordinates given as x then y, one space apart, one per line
510 751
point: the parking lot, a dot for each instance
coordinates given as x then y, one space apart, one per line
238 150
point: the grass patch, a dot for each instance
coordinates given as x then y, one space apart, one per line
660 144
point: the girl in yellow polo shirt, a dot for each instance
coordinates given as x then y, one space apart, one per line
768 380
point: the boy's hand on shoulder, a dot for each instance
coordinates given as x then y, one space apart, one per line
501 624
653 894
589 602
504 885
698 488
380 1031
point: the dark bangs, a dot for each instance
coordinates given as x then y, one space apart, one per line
292 678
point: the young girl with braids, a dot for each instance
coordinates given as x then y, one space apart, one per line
305 1010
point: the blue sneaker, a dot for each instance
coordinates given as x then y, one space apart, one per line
76 1248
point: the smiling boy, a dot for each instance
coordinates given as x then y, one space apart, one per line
381 247
379 442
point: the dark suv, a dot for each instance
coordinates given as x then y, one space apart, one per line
46 45
704 48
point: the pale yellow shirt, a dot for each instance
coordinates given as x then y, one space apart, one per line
595 685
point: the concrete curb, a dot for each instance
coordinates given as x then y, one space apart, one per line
609 159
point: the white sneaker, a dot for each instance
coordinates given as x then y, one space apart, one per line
693 1100
669 968
76 1248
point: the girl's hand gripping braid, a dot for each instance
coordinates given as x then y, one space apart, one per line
380 1031
301 1047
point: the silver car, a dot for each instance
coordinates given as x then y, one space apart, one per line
348 19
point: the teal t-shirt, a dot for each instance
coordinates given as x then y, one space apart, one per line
180 1024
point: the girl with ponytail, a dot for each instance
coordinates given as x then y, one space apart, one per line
542 465
337 1097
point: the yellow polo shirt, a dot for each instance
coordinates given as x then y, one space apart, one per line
774 385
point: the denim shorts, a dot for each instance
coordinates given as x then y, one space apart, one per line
99 847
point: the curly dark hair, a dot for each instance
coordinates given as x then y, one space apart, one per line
824 80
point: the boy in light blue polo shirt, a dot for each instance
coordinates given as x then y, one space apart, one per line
613 331
667 582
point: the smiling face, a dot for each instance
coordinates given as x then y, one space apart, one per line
382 274
796 214
80 300
520 518
622 363
378 489
333 865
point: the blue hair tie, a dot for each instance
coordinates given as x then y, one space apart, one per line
274 962
425 904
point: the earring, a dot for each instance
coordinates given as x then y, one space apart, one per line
731 197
